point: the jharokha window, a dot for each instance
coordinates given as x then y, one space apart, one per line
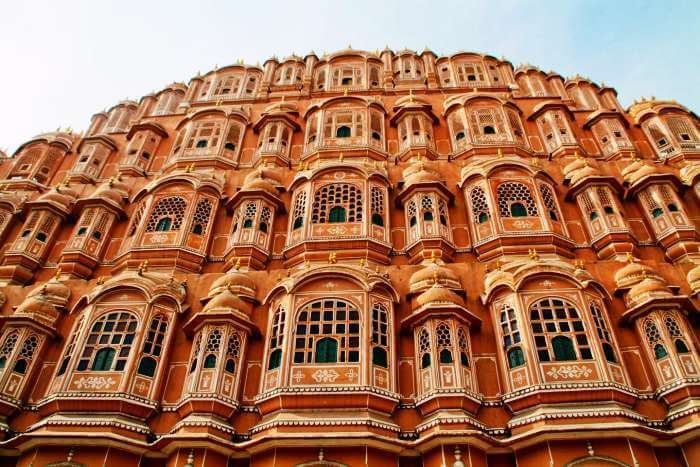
109 343
338 202
209 136
276 339
511 336
151 353
515 200
327 331
167 215
559 331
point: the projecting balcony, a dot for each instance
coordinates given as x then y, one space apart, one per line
278 150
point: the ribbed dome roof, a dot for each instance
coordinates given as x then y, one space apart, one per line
438 294
650 287
420 172
226 300
54 290
423 278
635 171
573 166
583 173
693 278
234 281
261 179
633 273
61 197
114 190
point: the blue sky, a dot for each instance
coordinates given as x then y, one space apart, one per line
62 61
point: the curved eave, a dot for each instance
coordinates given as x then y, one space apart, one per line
609 180
308 175
98 139
599 115
649 179
62 140
401 111
286 116
255 194
196 180
539 109
223 315
488 167
147 126
365 102
681 302
107 203
441 309
424 186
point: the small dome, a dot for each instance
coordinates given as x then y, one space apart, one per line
261 179
427 276
235 281
693 278
583 173
114 190
636 171
38 307
226 300
649 288
633 273
61 197
54 291
420 172
576 164
439 294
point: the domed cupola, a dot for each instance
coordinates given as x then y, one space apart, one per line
425 277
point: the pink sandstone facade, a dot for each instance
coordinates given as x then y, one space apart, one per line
360 259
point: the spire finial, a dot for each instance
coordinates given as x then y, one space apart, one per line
629 257
331 258
532 253
433 257
57 276
238 264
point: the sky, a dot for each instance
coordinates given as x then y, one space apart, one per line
63 61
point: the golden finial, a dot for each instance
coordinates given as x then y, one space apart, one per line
340 157
57 276
100 280
578 264
282 101
237 266
500 153
190 168
143 267
69 130
345 93
43 290
219 102
331 258
376 269
577 155
3 187
535 161
629 257
435 277
419 157
433 257
410 95
645 273
498 264
307 263
534 256
363 261
66 182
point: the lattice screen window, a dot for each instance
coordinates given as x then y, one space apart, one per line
347 76
337 202
327 331
211 349
603 331
550 139
46 228
480 207
136 219
29 346
457 126
380 335
100 226
205 135
515 200
377 206
277 338
265 215
558 331
376 127
654 339
442 210
8 346
588 206
299 210
227 86
564 133
167 215
321 80
196 348
408 67
412 211
443 337
47 164
470 73
515 125
249 215
85 221
674 330
251 85
488 121
233 353
25 162
657 135
153 346
618 132
343 124
683 130
427 208
68 354
463 345
202 214
668 198
424 348
651 205
509 326
373 76
233 137
109 343
549 202
605 200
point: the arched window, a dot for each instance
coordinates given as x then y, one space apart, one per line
427 208
654 339
558 331
412 210
343 132
337 214
337 195
515 357
674 330
489 130
326 350
172 209
299 208
153 346
443 335
26 353
233 351
8 346
509 326
442 208
109 342
377 206
463 344
276 339
68 354
549 203
424 348
212 348
249 215
515 200
202 214
563 349
380 335
41 236
657 212
265 214
603 332
333 321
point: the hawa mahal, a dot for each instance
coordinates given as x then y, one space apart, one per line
356 259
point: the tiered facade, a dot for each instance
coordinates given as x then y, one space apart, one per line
382 259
